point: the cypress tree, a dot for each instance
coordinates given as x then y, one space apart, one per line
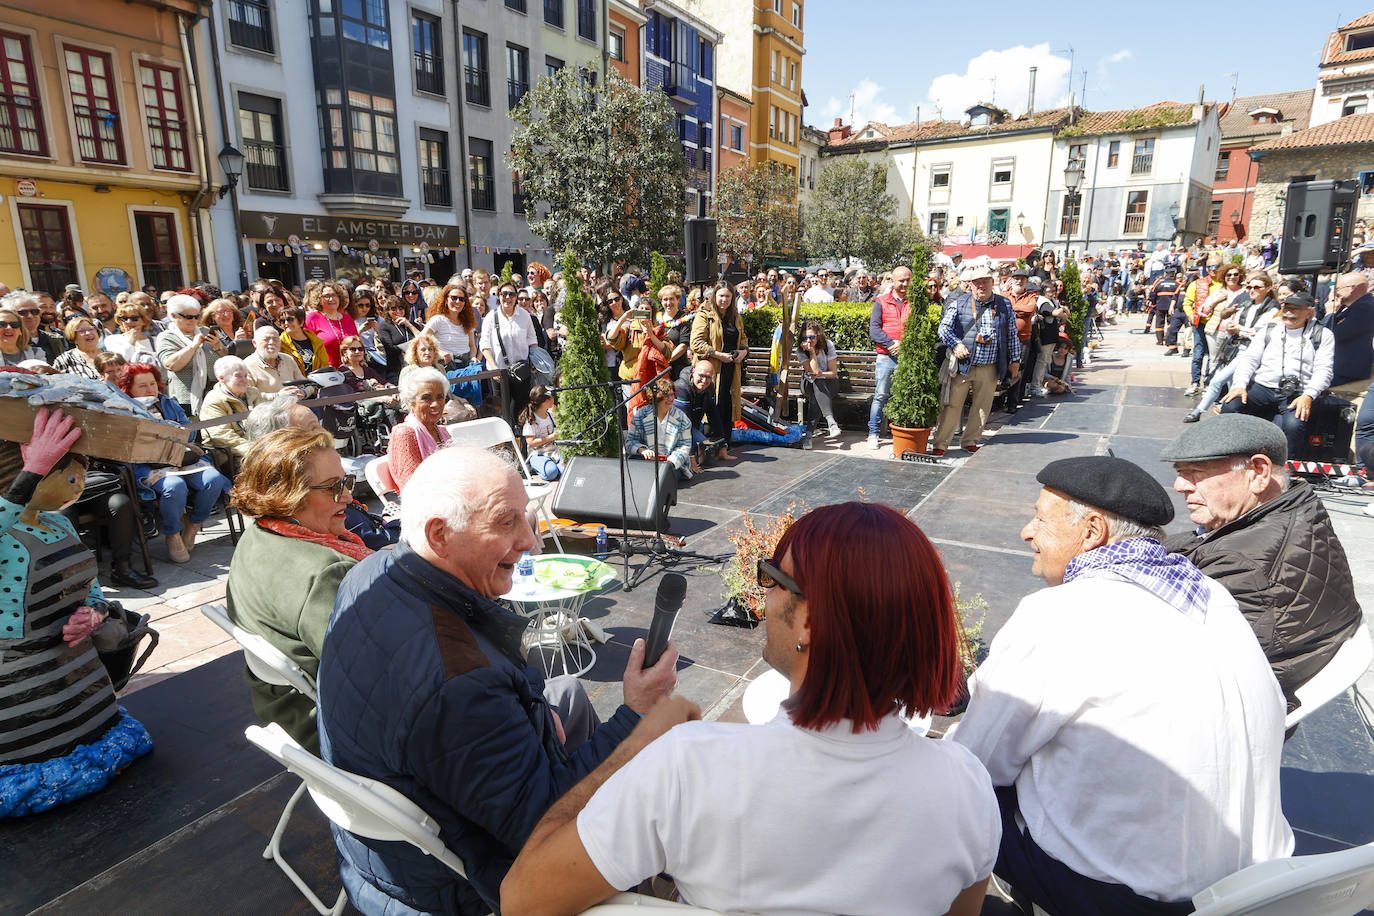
584 363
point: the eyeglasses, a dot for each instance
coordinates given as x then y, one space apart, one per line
11 325
453 298
396 308
124 319
808 337
26 313
769 575
186 314
336 489
1255 286
506 294
353 349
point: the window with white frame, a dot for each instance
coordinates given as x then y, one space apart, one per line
1002 172
1137 206
796 15
939 220
940 177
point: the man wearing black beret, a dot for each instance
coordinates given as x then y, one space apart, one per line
1128 719
1269 543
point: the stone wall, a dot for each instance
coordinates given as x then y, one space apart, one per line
1277 168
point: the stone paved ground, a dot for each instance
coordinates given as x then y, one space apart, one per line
184 827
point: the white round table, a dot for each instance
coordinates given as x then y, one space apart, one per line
555 612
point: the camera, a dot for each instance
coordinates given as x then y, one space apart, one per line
1290 387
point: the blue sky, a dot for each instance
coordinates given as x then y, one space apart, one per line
935 55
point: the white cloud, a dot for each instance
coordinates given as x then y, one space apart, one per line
866 105
1104 64
1002 77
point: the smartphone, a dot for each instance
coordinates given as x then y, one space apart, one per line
639 313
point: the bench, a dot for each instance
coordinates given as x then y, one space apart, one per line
856 379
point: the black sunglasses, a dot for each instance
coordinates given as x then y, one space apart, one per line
12 325
127 318
26 313
337 488
769 575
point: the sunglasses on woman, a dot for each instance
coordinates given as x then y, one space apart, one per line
337 488
11 325
767 575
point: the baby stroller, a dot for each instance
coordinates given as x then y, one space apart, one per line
358 429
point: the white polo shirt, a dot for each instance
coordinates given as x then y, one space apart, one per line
777 820
1144 745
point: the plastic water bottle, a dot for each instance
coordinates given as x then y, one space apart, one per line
601 540
524 575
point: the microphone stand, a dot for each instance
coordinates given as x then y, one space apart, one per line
659 549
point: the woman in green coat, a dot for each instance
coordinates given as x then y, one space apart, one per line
288 565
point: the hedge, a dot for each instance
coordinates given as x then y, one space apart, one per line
845 323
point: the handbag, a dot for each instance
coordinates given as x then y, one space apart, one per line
521 371
468 391
116 641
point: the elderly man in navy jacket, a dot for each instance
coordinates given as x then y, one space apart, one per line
424 686
979 329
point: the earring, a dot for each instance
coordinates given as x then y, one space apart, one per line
799 647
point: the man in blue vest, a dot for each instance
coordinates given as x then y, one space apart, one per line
980 331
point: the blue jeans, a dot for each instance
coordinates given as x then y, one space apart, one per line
1199 352
546 466
1221 383
1364 426
1268 404
202 487
882 390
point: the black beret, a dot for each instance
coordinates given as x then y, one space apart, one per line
1112 484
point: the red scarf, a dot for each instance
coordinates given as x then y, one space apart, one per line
348 543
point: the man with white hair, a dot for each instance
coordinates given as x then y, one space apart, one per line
268 370
424 685
232 394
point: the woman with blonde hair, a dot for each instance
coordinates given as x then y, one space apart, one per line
718 335
85 339
15 346
135 343
221 317
294 486
328 318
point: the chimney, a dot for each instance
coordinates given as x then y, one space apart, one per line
1030 101
839 130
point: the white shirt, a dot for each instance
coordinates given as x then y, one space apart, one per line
818 294
517 336
775 819
1265 361
1144 744
537 428
453 338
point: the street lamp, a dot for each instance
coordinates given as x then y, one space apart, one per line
1073 179
231 163
1173 217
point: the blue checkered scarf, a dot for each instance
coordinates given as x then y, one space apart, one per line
1145 562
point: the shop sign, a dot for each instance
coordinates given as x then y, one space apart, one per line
261 225
26 187
316 266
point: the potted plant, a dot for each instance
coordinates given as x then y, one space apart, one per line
914 405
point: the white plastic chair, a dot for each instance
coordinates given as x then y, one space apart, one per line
362 806
627 904
270 664
1331 884
1346 667
763 697
492 431
379 479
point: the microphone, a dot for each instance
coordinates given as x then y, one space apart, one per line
672 588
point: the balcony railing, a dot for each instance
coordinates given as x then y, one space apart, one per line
477 88
1068 225
1135 224
1213 227
264 165
250 25
1142 163
515 91
434 184
483 193
429 73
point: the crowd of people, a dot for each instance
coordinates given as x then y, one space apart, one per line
1075 775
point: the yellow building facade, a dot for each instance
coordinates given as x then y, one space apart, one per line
102 151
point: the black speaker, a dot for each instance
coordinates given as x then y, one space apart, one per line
700 235
1316 225
589 491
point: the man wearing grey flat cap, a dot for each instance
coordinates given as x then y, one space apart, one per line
1269 542
1128 719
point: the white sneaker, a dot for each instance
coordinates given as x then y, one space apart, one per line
873 442
834 428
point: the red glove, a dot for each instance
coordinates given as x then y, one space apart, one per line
53 434
81 624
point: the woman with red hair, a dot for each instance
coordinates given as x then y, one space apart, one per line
876 818
192 489
454 322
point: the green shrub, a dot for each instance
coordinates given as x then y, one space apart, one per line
507 272
658 274
1078 306
584 363
845 323
1238 259
915 400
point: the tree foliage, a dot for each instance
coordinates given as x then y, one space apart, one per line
756 211
915 400
658 274
507 271
584 363
852 216
1078 306
601 168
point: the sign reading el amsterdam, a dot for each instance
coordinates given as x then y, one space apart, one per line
257 224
